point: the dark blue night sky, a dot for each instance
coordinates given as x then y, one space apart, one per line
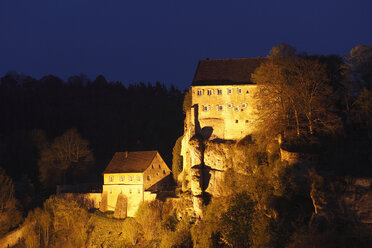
132 41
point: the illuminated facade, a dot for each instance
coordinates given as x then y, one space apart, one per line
223 108
136 175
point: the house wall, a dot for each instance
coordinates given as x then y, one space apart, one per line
233 122
133 192
123 178
129 184
155 172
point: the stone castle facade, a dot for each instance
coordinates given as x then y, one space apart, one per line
223 111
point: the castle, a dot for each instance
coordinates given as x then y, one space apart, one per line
222 109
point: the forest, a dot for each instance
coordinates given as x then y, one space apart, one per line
318 104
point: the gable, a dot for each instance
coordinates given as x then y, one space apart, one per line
133 162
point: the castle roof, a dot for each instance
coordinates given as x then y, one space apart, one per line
225 71
133 162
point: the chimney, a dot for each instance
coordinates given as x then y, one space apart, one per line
126 154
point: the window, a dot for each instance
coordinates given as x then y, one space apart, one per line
200 92
130 191
209 92
246 121
111 178
138 178
247 92
121 178
206 107
229 91
157 173
229 105
139 191
130 178
219 107
244 105
148 178
236 121
121 191
219 92
236 108
110 191
239 90
153 166
159 166
164 172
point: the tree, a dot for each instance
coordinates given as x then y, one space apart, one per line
294 95
67 151
177 160
61 222
121 207
10 216
357 83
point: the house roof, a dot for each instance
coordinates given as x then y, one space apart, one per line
225 71
134 162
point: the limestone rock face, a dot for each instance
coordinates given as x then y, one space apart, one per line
215 185
216 155
196 180
355 203
358 201
198 205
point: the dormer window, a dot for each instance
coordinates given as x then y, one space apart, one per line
229 91
219 92
236 108
200 92
239 90
209 92
244 105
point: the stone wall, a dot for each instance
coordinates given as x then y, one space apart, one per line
230 115
12 238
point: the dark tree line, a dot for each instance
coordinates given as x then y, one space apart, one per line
111 116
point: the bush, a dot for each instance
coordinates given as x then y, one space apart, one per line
132 231
121 207
149 216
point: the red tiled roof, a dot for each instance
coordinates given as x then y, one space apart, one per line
225 71
135 162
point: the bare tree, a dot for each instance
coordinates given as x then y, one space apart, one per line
294 95
66 151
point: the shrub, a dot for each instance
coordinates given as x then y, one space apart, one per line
132 231
121 207
177 161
